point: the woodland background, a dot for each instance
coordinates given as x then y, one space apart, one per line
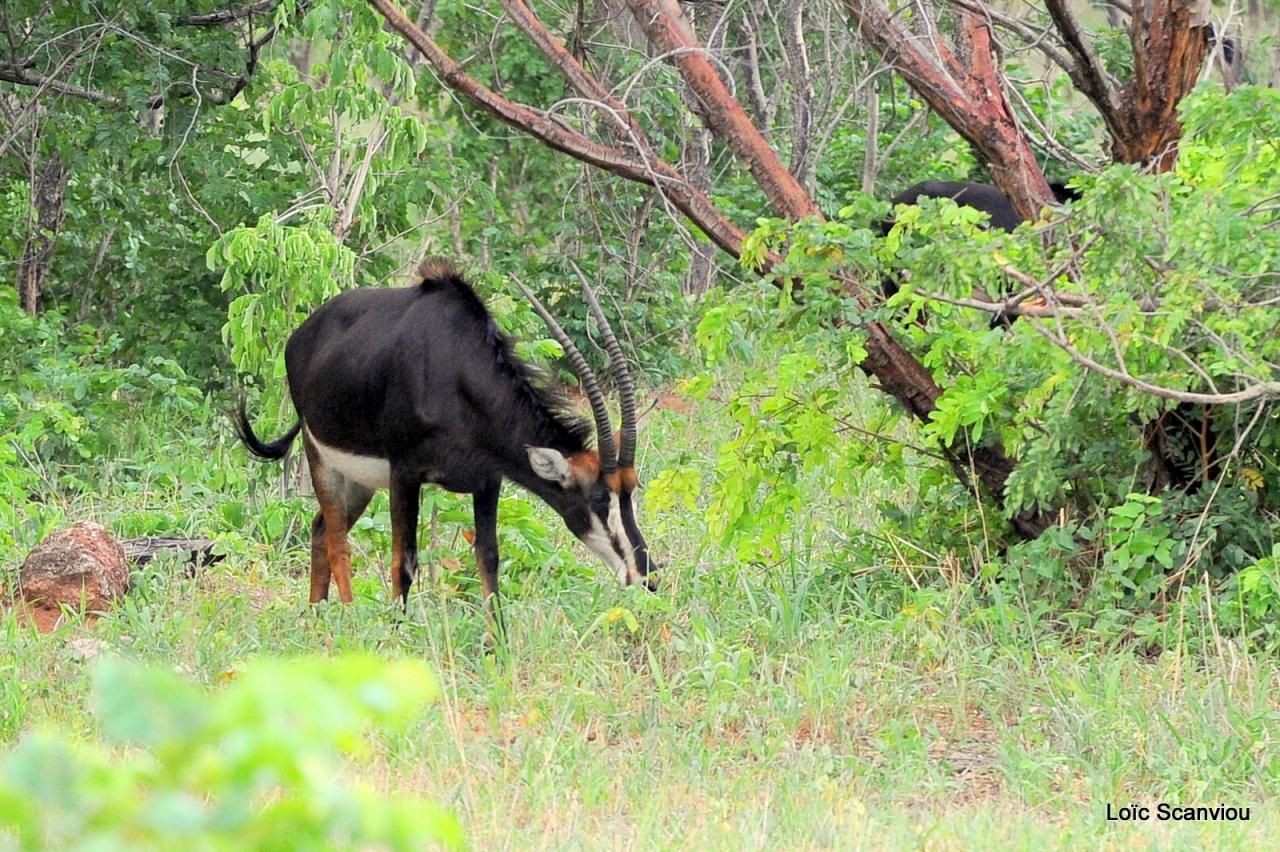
956 566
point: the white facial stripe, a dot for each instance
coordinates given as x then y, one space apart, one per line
600 539
369 471
628 574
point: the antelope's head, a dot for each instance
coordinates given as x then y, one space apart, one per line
598 486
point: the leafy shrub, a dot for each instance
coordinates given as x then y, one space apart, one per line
1252 595
65 408
257 765
1177 275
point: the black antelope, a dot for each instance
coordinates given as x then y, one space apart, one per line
979 196
399 387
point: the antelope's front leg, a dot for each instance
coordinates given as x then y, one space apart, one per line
485 505
405 491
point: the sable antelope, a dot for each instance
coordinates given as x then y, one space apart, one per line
1213 40
979 196
399 387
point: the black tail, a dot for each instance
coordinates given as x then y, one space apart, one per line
273 451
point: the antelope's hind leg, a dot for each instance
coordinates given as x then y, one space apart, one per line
357 499
341 504
319 560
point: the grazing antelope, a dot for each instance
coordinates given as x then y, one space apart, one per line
399 387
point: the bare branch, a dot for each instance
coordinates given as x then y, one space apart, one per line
12 74
230 16
870 161
1038 39
802 164
751 67
556 135
573 72
1086 69
1261 390
669 31
355 186
1006 308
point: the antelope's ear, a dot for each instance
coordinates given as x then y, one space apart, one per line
551 465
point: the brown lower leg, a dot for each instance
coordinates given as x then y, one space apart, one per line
341 503
405 492
319 561
338 550
488 582
486 550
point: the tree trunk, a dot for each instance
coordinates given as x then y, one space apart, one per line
967 92
1169 39
48 186
696 163
1169 50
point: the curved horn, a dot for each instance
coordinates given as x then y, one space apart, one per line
626 390
604 429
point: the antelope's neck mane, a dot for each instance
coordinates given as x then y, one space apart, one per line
530 410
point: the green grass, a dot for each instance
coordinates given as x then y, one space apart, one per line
791 707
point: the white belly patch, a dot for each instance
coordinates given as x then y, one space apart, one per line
369 471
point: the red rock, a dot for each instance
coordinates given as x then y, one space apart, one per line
81 562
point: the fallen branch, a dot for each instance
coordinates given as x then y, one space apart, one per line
142 550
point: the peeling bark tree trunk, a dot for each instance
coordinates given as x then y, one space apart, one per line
48 186
1169 41
966 91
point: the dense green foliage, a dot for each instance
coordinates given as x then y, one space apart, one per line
253 766
826 567
1175 271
